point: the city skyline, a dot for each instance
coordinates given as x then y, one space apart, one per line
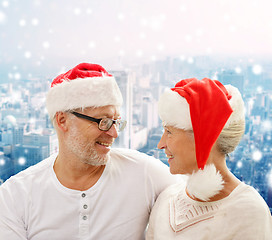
27 137
148 45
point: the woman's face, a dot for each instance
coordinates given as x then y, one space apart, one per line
179 147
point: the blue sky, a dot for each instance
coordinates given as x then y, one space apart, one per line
36 34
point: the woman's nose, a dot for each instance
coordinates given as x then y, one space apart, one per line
161 144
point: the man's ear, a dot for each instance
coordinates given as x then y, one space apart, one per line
61 120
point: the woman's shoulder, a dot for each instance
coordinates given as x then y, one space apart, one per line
173 190
248 200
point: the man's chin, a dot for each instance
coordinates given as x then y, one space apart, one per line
98 160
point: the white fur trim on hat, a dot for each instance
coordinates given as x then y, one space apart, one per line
205 183
174 110
81 93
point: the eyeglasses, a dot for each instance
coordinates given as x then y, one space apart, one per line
104 124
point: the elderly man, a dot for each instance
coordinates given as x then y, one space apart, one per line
87 190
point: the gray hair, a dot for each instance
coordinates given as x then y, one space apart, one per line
231 136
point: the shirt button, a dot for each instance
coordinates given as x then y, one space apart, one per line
85 206
83 195
84 217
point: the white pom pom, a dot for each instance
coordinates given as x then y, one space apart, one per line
205 183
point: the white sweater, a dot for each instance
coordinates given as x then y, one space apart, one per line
243 215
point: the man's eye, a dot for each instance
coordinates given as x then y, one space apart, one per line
167 131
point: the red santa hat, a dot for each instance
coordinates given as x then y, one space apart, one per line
85 85
206 107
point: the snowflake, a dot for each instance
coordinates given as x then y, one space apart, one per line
2 17
154 22
259 89
21 161
2 162
199 32
32 120
142 36
188 38
182 58
190 60
160 47
257 69
46 45
92 44
153 58
209 50
139 53
89 11
17 76
269 176
5 4
122 53
232 28
121 16
77 11
27 54
117 39
257 155
183 8
22 22
266 126
238 70
239 164
35 21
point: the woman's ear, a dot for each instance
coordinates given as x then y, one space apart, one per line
61 120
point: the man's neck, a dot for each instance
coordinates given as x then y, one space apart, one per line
74 174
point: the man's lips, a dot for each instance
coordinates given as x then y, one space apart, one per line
106 144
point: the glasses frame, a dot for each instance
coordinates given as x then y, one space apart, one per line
98 120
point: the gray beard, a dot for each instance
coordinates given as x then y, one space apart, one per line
86 152
94 159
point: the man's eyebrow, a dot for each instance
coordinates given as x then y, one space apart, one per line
107 115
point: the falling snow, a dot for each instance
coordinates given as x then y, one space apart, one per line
27 54
58 33
35 22
5 4
239 164
22 161
46 45
257 155
257 69
2 17
2 162
270 178
22 22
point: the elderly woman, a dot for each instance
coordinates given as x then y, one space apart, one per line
203 122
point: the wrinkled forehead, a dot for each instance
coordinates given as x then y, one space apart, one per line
110 111
177 130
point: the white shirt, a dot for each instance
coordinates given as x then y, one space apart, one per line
34 205
243 215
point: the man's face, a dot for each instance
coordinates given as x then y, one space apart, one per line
86 141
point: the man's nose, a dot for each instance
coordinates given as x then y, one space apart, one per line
112 131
